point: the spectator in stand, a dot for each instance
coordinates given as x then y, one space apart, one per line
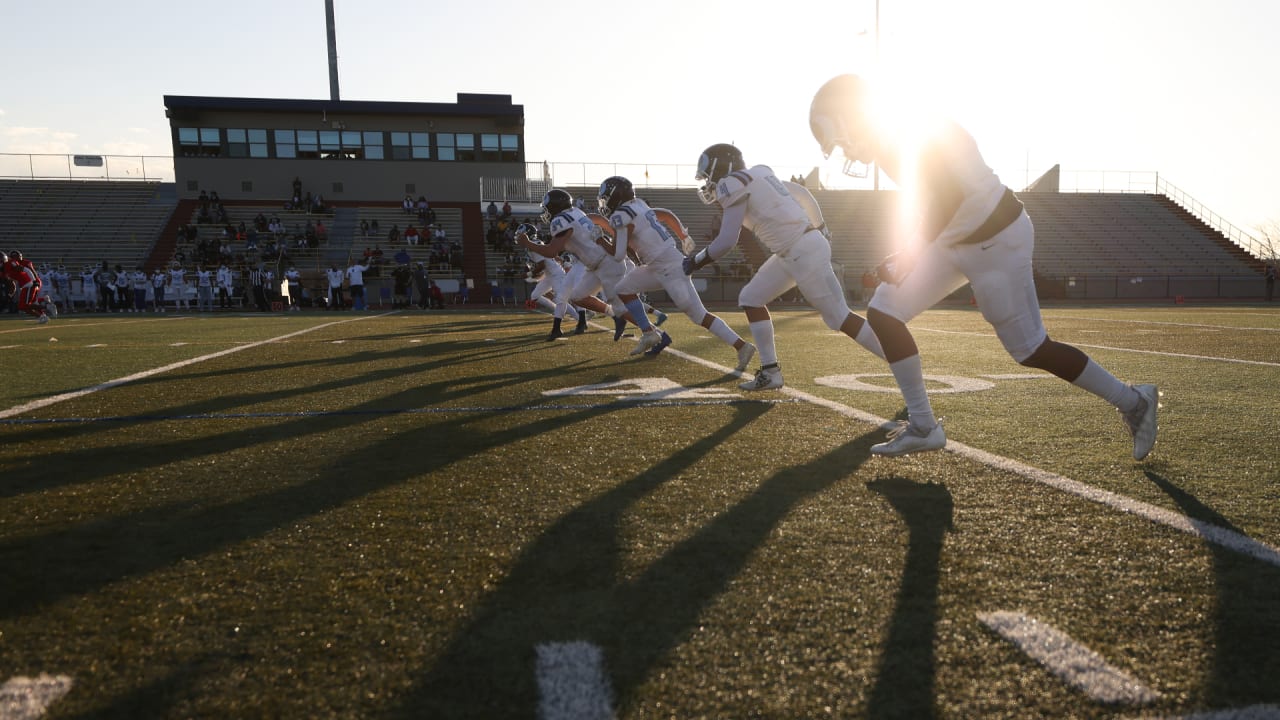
411 235
309 234
334 276
364 228
421 207
402 257
407 204
226 285
297 188
393 235
438 237
317 204
307 203
506 210
159 279
492 211
1270 273
373 227
322 233
355 281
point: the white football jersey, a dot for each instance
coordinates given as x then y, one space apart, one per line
652 241
550 266
176 277
583 241
773 213
950 166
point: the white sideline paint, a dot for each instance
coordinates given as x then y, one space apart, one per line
54 399
23 698
571 682
1206 531
1252 712
1115 349
1073 663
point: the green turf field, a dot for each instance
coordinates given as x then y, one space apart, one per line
439 515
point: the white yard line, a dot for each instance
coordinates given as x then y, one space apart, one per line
23 698
54 399
1114 349
1073 663
572 684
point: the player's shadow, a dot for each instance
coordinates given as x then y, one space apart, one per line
905 678
571 585
1246 626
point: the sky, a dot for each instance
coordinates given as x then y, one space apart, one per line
1113 91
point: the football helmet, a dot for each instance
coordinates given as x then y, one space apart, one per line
715 163
528 230
615 191
555 202
839 118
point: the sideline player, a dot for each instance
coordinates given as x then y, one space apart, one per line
788 221
637 228
22 273
974 231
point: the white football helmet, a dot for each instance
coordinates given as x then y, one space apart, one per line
714 164
838 119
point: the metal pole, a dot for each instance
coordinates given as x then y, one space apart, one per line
875 167
333 50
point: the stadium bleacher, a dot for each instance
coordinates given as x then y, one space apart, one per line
77 223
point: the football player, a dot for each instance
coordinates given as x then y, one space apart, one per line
551 278
22 273
974 230
572 230
638 228
788 221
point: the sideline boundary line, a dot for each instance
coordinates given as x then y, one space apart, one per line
55 399
1208 532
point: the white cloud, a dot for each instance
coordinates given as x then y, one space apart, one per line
35 140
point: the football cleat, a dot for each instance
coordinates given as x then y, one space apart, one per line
619 327
765 379
907 438
660 316
745 353
1141 421
649 339
42 319
656 349
554 334
582 323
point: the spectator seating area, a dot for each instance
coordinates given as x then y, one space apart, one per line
77 223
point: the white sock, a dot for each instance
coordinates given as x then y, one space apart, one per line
910 377
1098 381
866 337
723 331
762 333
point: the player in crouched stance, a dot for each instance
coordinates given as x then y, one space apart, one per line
787 220
638 228
974 230
22 273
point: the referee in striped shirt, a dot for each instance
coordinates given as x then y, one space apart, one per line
258 281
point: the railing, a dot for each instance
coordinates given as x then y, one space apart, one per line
1250 244
152 168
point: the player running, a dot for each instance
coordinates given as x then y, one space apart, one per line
787 220
974 230
22 273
